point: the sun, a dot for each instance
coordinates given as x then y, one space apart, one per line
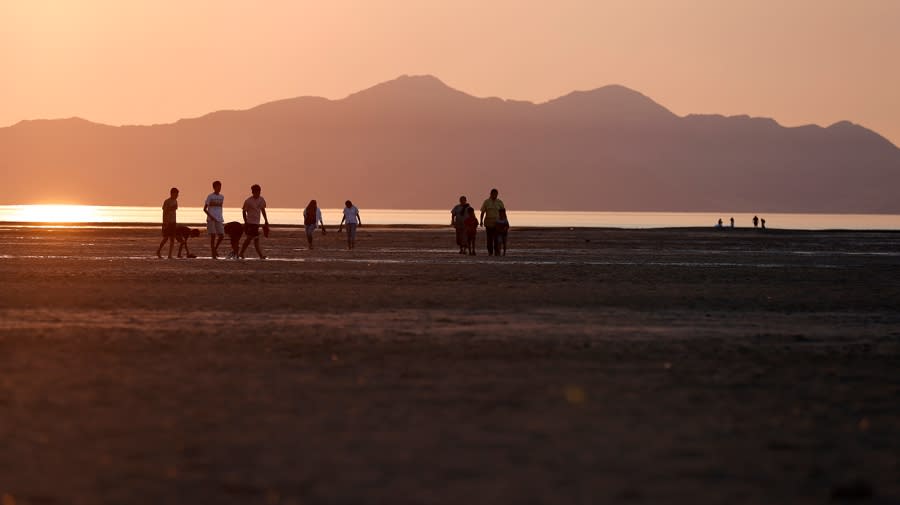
56 214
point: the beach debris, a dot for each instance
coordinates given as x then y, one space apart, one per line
574 395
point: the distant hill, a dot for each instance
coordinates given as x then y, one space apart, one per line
416 143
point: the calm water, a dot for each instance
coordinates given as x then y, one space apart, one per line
188 215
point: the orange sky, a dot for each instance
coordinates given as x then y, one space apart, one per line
151 61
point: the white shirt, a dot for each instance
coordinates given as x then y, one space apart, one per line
350 214
214 205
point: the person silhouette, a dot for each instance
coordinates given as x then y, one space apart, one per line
312 217
169 228
763 223
458 215
732 222
490 211
351 217
719 223
253 208
755 221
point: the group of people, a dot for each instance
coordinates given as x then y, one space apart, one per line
255 219
756 222
493 219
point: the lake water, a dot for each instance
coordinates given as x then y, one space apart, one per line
194 215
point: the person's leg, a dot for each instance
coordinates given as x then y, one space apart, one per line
244 246
171 246
219 238
258 250
161 245
212 247
180 245
491 233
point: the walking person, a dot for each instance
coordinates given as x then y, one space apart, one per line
490 211
351 217
312 215
215 220
253 208
502 226
755 221
169 227
458 216
471 226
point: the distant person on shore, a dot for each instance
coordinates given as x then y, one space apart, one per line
755 221
471 227
312 216
490 211
351 217
763 223
169 207
215 221
732 221
234 230
182 234
253 208
719 223
458 216
502 226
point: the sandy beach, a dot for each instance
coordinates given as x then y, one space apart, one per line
587 366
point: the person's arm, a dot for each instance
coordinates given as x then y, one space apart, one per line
263 211
481 219
358 219
319 217
341 227
206 210
244 213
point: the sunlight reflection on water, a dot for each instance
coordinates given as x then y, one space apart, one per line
287 216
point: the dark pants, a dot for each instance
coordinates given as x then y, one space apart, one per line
491 238
461 236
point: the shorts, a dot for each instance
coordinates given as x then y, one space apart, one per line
169 229
310 228
215 228
251 230
351 231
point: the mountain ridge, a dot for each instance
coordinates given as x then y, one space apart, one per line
610 148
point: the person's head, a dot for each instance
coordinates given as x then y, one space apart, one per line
255 189
217 186
470 211
462 200
348 203
494 194
312 204
173 192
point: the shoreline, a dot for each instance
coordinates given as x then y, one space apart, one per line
400 226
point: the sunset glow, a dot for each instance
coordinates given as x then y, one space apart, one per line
54 214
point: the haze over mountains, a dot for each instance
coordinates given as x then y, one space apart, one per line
416 143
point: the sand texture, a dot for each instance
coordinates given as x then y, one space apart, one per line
587 366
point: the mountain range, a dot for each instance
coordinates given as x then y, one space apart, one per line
416 143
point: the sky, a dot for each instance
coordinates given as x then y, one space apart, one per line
155 61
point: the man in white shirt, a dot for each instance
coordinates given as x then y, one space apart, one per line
253 208
351 217
215 220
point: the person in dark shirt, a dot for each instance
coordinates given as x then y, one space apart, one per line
234 230
182 234
471 224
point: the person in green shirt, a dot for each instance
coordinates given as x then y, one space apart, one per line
490 211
